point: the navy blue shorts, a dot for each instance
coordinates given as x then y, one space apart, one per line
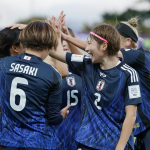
142 141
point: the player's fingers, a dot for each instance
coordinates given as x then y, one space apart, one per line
9 26
67 112
53 21
48 21
61 13
67 107
63 17
13 27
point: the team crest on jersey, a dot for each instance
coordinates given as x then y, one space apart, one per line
71 81
100 85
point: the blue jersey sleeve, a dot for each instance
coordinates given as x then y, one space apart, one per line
77 63
133 57
132 92
54 102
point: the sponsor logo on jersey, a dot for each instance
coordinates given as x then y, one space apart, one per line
71 81
100 85
102 74
27 57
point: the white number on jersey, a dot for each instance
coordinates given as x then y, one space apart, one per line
98 100
71 94
16 91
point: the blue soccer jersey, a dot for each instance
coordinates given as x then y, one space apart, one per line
105 94
30 89
140 60
66 131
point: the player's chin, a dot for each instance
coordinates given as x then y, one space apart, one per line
93 60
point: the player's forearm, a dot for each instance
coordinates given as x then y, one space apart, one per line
62 68
74 49
76 42
126 131
58 54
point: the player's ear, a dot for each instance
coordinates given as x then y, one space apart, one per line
128 42
104 45
14 49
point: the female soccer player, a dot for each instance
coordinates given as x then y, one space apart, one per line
30 93
139 59
111 91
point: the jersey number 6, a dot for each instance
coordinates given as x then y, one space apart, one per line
16 91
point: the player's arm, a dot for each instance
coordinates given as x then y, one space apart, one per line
132 57
132 98
59 56
54 115
64 32
127 126
59 66
81 44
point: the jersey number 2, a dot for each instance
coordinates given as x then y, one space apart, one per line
97 100
16 91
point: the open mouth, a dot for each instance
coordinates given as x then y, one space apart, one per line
90 54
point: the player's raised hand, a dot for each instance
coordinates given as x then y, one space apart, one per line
19 26
65 111
61 16
64 28
55 24
64 31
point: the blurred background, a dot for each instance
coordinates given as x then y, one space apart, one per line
81 15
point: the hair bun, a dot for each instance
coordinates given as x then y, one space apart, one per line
133 22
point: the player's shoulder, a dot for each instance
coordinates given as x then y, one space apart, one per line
132 50
129 71
50 69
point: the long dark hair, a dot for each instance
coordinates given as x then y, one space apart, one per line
8 37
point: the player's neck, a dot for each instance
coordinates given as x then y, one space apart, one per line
109 62
35 52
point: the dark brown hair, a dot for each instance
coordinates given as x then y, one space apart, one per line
38 35
109 33
8 37
71 32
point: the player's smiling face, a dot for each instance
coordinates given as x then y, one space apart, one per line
94 50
